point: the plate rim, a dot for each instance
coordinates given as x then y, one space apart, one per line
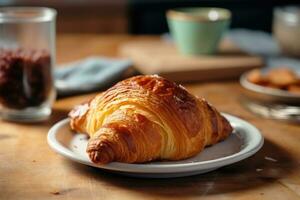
244 153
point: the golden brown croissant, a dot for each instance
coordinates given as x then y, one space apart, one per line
147 118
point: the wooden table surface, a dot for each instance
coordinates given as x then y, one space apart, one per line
29 169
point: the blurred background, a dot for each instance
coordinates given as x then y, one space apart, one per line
147 16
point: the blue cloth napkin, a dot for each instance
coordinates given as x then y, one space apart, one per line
262 44
89 74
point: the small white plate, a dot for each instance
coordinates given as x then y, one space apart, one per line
266 94
242 143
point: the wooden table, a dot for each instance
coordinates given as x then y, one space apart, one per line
29 169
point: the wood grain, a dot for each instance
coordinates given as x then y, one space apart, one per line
29 169
162 58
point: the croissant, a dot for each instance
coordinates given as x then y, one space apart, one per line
146 118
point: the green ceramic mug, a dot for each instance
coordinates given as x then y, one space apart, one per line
198 31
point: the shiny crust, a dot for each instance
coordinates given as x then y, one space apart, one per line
147 118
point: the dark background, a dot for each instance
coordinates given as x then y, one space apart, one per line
147 16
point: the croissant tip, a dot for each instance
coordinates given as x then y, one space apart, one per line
97 158
227 126
100 153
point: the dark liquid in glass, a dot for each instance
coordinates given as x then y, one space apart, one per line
25 77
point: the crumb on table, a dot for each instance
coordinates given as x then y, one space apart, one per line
55 193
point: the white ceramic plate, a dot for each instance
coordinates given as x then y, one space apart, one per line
243 142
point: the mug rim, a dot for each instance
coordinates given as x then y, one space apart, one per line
184 14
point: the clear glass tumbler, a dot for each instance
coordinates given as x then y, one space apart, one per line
286 29
27 57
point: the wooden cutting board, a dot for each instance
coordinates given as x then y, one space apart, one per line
161 57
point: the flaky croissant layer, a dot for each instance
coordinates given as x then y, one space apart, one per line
146 118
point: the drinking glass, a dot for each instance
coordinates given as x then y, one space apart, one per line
27 57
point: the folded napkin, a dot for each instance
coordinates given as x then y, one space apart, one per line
89 74
262 44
